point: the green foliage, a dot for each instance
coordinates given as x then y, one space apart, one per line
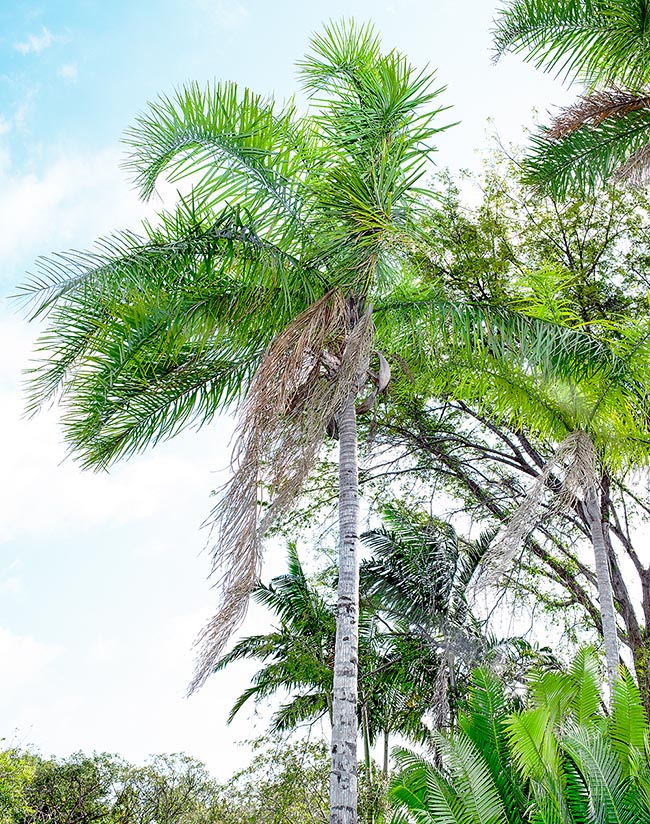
81 789
16 773
149 334
284 783
603 44
555 762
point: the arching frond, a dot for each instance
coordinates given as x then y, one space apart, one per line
588 40
589 155
236 146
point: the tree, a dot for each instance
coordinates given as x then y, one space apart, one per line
16 772
80 789
603 44
297 655
557 760
273 280
581 263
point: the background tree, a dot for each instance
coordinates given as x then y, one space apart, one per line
16 772
585 262
80 789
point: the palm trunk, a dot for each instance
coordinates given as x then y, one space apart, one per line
343 779
385 769
604 582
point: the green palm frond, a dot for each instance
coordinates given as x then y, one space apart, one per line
422 793
588 156
150 335
534 747
603 777
586 674
429 327
592 41
472 780
236 146
628 725
303 708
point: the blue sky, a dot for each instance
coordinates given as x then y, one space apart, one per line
102 578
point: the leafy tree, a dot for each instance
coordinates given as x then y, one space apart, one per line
287 783
80 789
170 789
273 280
584 263
284 784
16 772
83 789
603 44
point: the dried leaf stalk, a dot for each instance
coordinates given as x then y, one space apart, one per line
305 375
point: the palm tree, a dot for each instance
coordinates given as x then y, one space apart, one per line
557 760
297 655
599 426
398 674
273 282
417 579
604 45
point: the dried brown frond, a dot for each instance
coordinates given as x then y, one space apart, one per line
306 374
594 108
573 466
636 169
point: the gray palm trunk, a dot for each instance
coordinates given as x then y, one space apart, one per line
604 582
343 779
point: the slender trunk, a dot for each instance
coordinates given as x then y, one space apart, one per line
366 737
365 731
604 581
343 779
385 770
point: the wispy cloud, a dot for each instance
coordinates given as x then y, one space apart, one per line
36 43
227 14
69 72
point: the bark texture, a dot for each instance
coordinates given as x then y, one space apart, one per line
604 582
343 779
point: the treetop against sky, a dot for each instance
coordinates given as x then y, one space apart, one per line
102 581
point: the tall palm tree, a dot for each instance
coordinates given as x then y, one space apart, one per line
272 282
598 424
604 45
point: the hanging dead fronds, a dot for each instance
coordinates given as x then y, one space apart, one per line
306 375
594 109
636 169
570 475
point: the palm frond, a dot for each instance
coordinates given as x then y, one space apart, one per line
628 725
597 43
236 146
282 426
588 155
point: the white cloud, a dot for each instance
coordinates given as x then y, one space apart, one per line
69 72
36 43
23 659
226 14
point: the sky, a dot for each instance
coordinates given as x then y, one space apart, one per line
103 578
